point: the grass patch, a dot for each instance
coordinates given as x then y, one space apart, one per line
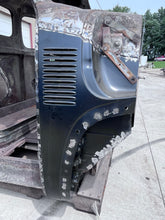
159 64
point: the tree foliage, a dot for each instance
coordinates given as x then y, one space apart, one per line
118 8
154 35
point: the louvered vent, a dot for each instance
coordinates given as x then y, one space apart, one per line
59 76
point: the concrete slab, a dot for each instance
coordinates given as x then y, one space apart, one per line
133 190
136 182
153 113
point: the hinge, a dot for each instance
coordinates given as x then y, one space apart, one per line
119 64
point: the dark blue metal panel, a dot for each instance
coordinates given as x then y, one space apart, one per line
70 101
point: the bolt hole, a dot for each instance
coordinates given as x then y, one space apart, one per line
77 131
126 108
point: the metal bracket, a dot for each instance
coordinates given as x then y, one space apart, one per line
119 64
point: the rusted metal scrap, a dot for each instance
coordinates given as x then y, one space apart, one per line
89 26
119 64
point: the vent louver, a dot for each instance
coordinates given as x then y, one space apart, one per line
59 76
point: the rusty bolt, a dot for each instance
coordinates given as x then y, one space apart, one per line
117 44
107 21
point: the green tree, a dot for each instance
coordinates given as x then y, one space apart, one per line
154 35
162 36
118 8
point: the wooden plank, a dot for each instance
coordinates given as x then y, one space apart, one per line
35 193
32 137
16 107
18 171
9 149
16 118
16 133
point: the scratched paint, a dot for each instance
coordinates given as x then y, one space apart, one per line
88 25
72 143
85 125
